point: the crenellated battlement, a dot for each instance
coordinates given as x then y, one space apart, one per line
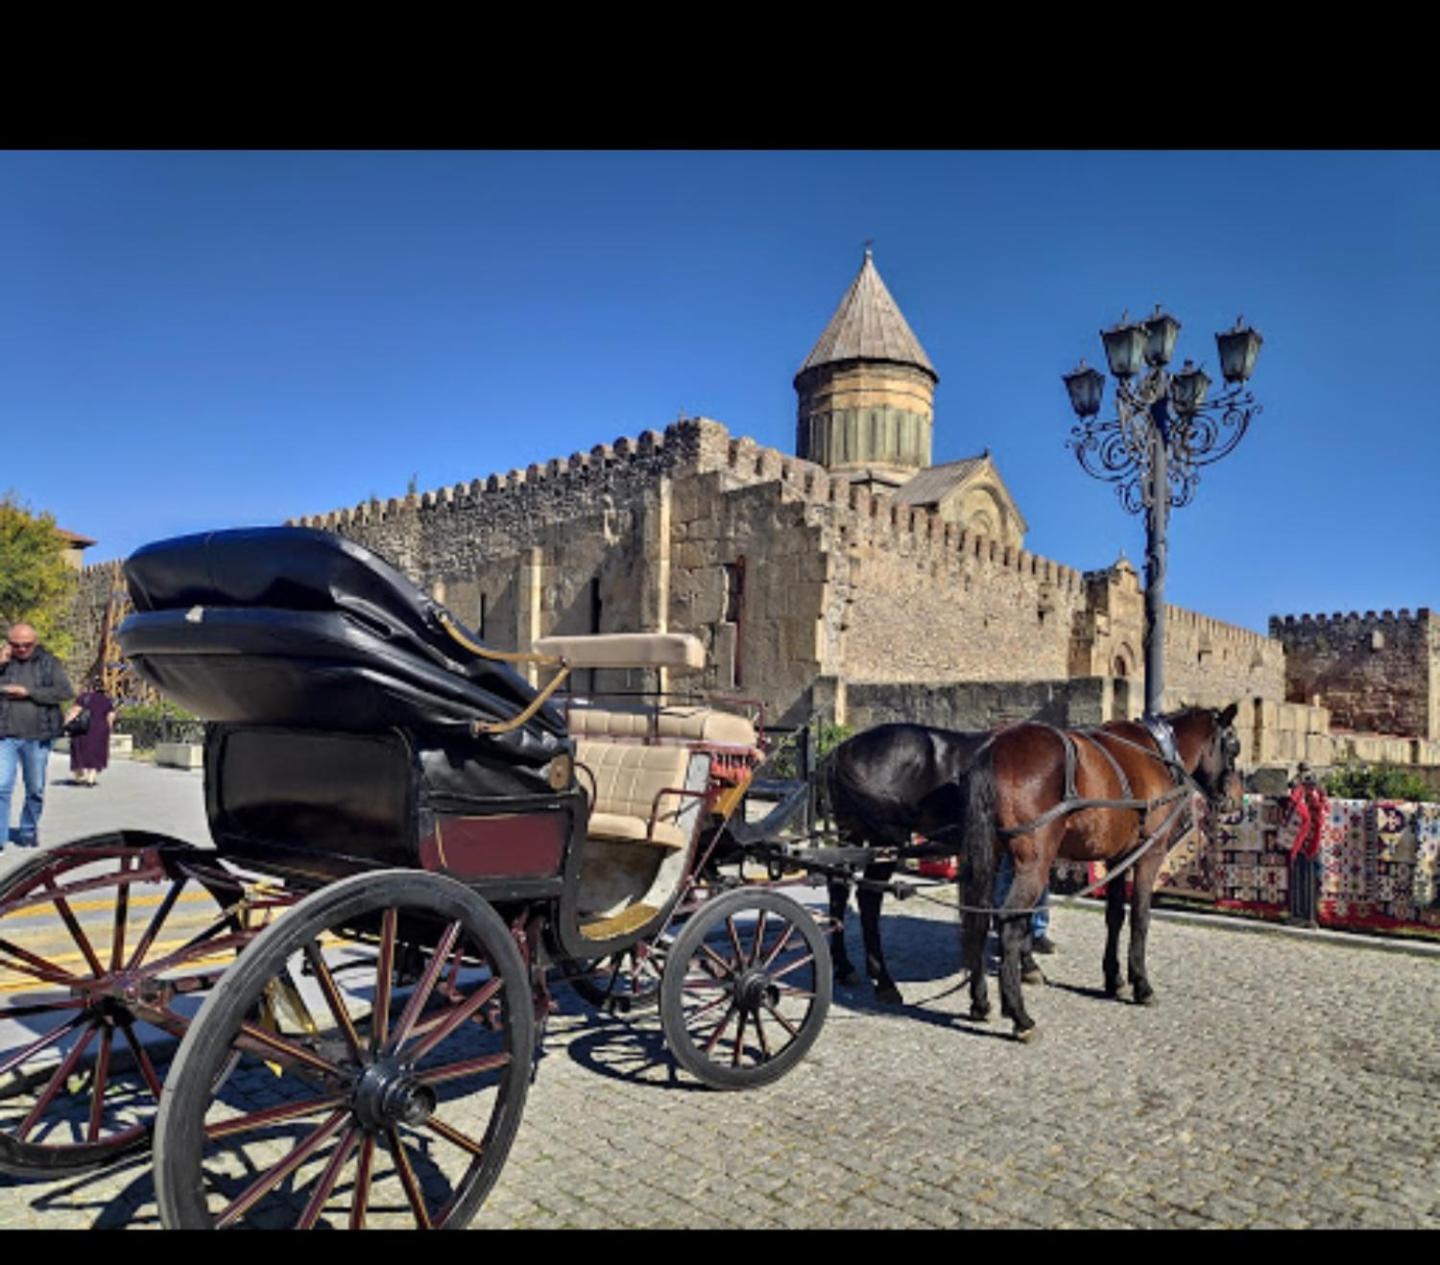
702 445
689 443
1207 628
1351 620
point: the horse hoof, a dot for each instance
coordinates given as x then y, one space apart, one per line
1120 992
1032 976
1026 1035
980 1014
1145 996
846 976
888 995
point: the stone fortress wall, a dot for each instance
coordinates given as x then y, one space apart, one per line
841 584
1376 673
805 587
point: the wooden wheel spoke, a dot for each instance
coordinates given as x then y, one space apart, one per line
72 924
156 923
102 1077
39 967
333 998
207 942
327 1181
760 1036
271 1115
453 1135
426 986
790 930
448 1022
277 1173
384 971
701 1011
470 1067
142 1061
719 1030
54 1035
153 874
758 943
794 966
56 1084
363 1170
250 1035
739 1041
781 1020
122 911
732 929
407 1178
727 967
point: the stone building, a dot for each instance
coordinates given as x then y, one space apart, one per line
857 581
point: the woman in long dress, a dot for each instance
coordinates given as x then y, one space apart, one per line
90 751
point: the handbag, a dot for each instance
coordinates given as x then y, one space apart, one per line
80 725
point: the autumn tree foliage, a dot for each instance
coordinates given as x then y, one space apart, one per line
36 584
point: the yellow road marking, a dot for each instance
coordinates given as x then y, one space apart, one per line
64 961
89 906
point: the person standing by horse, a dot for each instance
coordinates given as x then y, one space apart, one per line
89 746
33 684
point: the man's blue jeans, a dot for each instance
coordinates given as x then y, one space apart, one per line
27 756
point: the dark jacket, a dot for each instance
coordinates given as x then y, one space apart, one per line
37 715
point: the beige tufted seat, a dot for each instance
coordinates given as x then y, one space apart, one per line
630 785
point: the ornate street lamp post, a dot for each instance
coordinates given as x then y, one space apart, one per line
1162 433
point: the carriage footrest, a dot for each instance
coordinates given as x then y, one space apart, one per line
618 924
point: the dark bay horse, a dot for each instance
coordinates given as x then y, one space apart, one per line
1013 796
884 785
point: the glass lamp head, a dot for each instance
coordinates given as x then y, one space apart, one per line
1239 348
1085 385
1125 348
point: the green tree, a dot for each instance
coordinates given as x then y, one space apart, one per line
37 585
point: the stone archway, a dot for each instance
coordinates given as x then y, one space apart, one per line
1121 676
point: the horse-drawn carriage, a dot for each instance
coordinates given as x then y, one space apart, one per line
408 837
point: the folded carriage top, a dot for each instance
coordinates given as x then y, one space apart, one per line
294 626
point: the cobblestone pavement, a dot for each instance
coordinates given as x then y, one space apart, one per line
1281 1080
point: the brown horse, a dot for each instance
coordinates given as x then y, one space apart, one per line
1044 793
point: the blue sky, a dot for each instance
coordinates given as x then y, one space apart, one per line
192 340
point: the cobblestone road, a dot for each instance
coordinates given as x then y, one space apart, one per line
1280 1081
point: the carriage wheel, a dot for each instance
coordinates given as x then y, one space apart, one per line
89 932
746 989
385 1031
623 983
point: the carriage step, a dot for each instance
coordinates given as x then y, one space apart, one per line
618 924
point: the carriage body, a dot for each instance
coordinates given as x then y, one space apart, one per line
351 731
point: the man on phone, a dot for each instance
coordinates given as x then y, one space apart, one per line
33 685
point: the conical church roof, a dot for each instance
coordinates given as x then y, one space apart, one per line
868 326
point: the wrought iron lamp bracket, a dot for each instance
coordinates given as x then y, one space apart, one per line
1118 450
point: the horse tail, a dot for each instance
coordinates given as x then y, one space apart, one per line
977 830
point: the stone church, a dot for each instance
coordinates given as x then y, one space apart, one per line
853 580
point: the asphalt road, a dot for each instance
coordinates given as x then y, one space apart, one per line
1282 1079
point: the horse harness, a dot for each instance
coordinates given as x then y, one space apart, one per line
1074 802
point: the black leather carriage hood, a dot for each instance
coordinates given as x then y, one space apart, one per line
291 625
